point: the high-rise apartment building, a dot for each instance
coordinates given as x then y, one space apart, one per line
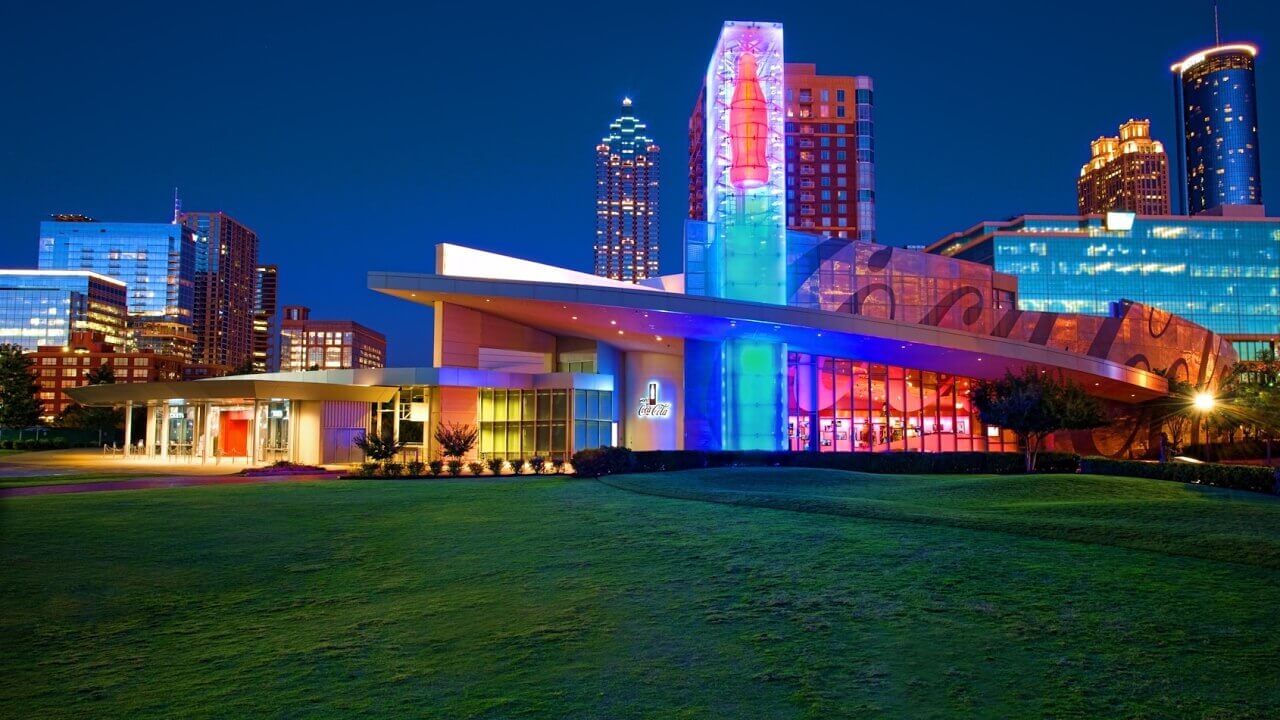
226 269
44 307
307 344
266 321
1216 110
156 261
830 154
626 246
1128 172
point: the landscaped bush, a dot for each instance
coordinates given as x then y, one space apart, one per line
416 468
1251 449
495 465
557 465
914 463
367 469
476 468
436 467
455 467
392 469
1237 477
604 461
517 465
538 465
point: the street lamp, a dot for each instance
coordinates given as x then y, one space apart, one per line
1204 402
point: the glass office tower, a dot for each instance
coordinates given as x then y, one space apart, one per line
1217 114
1219 272
627 174
157 261
43 307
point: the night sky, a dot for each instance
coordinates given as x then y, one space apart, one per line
354 138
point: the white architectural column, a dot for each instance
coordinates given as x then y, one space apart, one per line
164 429
252 450
128 428
151 429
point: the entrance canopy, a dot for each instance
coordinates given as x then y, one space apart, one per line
229 388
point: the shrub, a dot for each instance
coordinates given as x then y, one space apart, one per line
436 467
557 465
456 439
1236 477
476 468
378 447
495 465
392 469
538 465
517 465
890 462
416 468
603 461
6 444
455 467
367 469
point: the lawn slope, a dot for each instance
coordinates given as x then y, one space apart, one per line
553 598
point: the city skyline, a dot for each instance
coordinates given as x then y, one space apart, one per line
276 171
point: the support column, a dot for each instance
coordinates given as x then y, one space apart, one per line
164 429
150 439
128 428
815 424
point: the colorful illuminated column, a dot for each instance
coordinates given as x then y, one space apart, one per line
746 252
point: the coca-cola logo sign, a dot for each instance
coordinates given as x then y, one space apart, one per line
651 406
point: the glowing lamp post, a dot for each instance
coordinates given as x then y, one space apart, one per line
1204 402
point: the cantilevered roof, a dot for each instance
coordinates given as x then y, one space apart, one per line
228 388
656 321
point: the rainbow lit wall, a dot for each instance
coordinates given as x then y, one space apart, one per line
743 255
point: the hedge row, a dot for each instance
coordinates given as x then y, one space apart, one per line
616 460
893 462
1250 449
1237 477
41 444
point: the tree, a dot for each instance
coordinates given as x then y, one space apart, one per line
1175 413
379 447
456 439
1034 405
19 406
1249 401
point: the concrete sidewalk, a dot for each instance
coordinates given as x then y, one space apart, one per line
155 482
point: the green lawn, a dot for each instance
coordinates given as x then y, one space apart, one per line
68 479
562 598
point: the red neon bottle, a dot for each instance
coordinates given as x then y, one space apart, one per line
748 128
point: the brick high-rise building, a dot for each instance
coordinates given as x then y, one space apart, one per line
626 246
226 269
1129 172
266 319
830 154
307 344
68 366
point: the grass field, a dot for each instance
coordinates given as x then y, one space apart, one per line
766 593
67 479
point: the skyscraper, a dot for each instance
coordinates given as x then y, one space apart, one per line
1129 172
45 307
1217 114
156 261
830 153
307 344
226 267
626 246
266 321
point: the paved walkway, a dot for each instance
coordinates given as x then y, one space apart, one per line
156 482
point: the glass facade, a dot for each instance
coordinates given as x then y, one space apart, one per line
1217 114
524 423
43 307
1221 273
860 406
156 261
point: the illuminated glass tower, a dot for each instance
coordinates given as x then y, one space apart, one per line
1217 115
739 243
626 201
226 274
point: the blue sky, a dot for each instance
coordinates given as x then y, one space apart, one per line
354 138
